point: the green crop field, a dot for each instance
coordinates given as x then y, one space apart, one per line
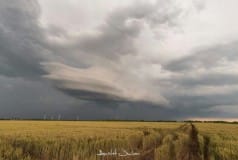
82 140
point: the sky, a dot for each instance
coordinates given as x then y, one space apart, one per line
119 59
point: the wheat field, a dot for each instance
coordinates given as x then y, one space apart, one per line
82 140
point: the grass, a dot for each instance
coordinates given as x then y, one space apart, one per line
81 140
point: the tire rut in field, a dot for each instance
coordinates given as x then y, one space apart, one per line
189 148
175 144
206 149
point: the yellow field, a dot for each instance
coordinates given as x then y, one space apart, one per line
69 129
81 140
223 139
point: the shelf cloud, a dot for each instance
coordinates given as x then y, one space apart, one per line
161 59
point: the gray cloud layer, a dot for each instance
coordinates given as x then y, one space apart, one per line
104 73
113 41
206 58
20 39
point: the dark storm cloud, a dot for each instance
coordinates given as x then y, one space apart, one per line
113 40
206 58
204 105
207 79
96 70
91 95
203 102
23 47
20 38
203 80
24 98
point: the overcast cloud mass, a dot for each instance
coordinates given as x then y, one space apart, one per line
113 59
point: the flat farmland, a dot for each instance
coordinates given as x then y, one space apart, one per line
82 140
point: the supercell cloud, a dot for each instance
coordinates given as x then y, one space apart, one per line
118 60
